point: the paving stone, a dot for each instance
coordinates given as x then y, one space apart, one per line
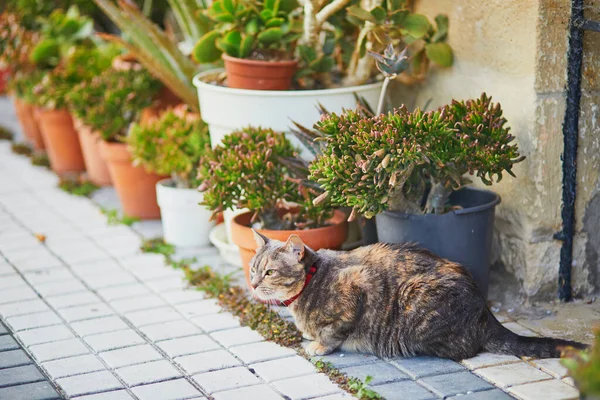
512 374
456 383
519 329
154 316
23 307
8 343
380 372
170 330
48 275
122 292
37 320
60 349
488 359
130 356
551 366
143 260
262 392
197 308
261 351
171 390
45 335
96 268
18 293
19 375
419 367
208 361
99 325
114 340
337 396
188 345
181 296
237 336
62 287
73 366
342 360
117 278
569 381
112 395
495 394
306 386
3 330
283 368
216 322
550 390
138 303
81 313
231 378
11 281
30 391
73 300
404 390
154 272
14 358
150 372
93 382
166 284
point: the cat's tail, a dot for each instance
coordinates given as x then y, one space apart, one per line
504 341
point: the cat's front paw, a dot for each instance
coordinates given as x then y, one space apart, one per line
307 336
317 349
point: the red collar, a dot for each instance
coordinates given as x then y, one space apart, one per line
289 301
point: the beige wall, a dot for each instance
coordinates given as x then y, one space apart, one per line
516 52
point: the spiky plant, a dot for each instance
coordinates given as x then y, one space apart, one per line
397 160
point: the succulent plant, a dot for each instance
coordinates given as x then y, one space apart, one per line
395 160
171 145
246 171
249 29
111 101
584 367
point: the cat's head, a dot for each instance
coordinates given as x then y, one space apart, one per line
277 271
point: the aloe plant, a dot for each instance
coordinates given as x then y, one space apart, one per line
153 49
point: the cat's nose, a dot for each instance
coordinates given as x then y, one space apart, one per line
254 284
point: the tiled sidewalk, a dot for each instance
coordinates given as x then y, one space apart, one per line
104 321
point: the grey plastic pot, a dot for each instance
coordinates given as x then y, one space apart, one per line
463 235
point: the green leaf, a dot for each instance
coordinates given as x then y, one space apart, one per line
398 17
270 35
266 15
417 25
442 28
44 51
206 50
439 53
287 6
393 5
307 54
325 64
224 17
363 47
252 27
231 43
246 46
216 7
229 6
275 22
379 14
360 13
189 18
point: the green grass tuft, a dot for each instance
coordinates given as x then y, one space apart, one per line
21 149
40 159
77 186
5 133
113 218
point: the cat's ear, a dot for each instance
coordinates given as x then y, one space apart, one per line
294 244
261 240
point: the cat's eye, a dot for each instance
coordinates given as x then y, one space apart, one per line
270 272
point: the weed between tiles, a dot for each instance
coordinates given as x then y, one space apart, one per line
113 218
5 133
22 149
40 159
157 245
77 186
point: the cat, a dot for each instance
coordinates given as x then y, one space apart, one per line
386 299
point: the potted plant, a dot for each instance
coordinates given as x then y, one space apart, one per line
407 170
247 172
331 51
584 368
172 145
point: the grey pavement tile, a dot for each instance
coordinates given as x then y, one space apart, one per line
154 316
99 325
123 292
170 330
283 368
404 390
182 296
114 340
261 351
130 356
150 372
456 383
419 367
36 320
19 375
347 359
262 392
93 382
44 335
85 312
9 281
216 322
166 284
197 308
138 303
381 372
112 395
226 379
48 275
30 391
61 287
306 386
73 300
23 307
495 394
3 330
188 345
13 358
56 350
237 336
177 389
73 366
18 293
8 343
208 361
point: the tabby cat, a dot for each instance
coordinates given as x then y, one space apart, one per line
386 299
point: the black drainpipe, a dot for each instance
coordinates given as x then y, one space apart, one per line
570 137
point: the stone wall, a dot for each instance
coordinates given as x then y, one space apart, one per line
516 52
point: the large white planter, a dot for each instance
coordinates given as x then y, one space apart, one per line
185 222
225 109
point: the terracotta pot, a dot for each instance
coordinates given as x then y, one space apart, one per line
97 170
135 187
327 237
28 119
62 142
259 75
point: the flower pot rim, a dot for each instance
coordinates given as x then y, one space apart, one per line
338 218
496 199
199 83
259 63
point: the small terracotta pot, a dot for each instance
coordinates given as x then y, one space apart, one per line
326 237
135 187
62 142
28 119
259 75
97 170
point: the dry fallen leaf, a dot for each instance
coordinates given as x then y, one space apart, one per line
40 237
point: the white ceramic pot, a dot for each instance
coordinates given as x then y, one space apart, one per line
225 109
228 251
185 222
